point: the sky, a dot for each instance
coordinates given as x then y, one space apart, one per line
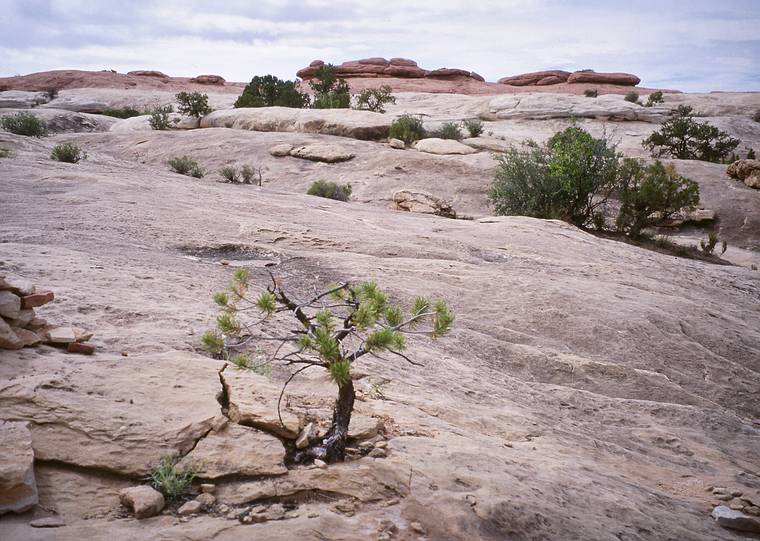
690 45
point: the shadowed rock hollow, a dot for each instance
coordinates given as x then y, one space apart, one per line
590 389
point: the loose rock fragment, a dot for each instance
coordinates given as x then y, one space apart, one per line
143 501
735 520
38 298
18 488
10 305
190 508
48 522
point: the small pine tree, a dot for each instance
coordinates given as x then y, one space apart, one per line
654 98
374 99
330 92
360 321
193 104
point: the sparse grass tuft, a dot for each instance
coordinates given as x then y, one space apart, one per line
330 190
171 480
450 130
474 127
68 153
185 165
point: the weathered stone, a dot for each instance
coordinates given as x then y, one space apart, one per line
542 106
29 338
61 335
281 150
363 427
190 508
142 501
433 145
625 79
22 99
425 203
18 488
551 80
735 520
208 80
308 433
396 143
208 488
237 450
38 298
10 305
148 73
48 522
528 79
322 152
25 317
8 338
321 464
17 285
378 453
206 500
81 347
741 169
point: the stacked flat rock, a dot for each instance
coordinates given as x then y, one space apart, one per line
20 326
395 67
553 77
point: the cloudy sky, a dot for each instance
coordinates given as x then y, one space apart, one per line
693 45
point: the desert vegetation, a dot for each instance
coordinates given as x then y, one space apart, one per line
68 153
246 174
654 98
708 246
359 320
172 480
6 152
474 127
270 91
632 97
375 99
330 190
407 128
23 124
330 91
193 104
683 137
449 130
159 117
591 93
185 165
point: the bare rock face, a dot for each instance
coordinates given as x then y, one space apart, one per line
433 145
735 520
143 501
208 80
18 488
425 203
21 99
624 79
539 106
747 171
237 450
535 78
322 152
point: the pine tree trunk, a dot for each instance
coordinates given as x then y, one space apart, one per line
333 445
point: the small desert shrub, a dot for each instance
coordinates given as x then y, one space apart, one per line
23 124
230 174
330 92
569 178
269 91
649 189
589 93
709 246
374 99
408 128
52 93
474 127
751 154
756 117
684 138
654 98
193 104
124 112
185 165
159 117
330 190
450 130
632 97
67 152
171 480
6 152
250 175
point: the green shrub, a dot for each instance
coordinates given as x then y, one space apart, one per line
633 97
23 124
684 138
193 104
6 152
269 91
171 480
474 127
185 165
52 93
68 153
756 117
569 178
230 174
159 117
330 92
650 193
374 99
124 112
589 93
709 246
330 190
408 128
449 130
751 154
654 98
250 175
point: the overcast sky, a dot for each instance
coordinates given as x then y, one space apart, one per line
693 45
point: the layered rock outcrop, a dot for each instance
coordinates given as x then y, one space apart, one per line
748 171
395 67
553 77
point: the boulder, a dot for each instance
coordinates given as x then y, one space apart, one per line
735 520
532 78
477 77
588 76
374 61
143 501
17 285
208 80
281 150
433 145
403 62
448 73
396 143
747 171
18 488
395 67
410 72
322 152
363 427
61 335
48 522
10 305
8 338
22 99
27 337
308 433
422 202
190 508
237 450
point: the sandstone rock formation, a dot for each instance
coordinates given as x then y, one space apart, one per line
21 99
434 145
149 73
553 77
415 201
588 76
546 106
534 78
208 80
747 171
395 67
18 488
143 501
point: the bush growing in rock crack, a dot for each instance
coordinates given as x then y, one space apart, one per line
474 127
408 128
185 165
171 480
330 92
632 97
654 98
684 138
159 117
68 153
24 124
330 190
449 130
334 328
269 91
708 247
374 99
193 104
